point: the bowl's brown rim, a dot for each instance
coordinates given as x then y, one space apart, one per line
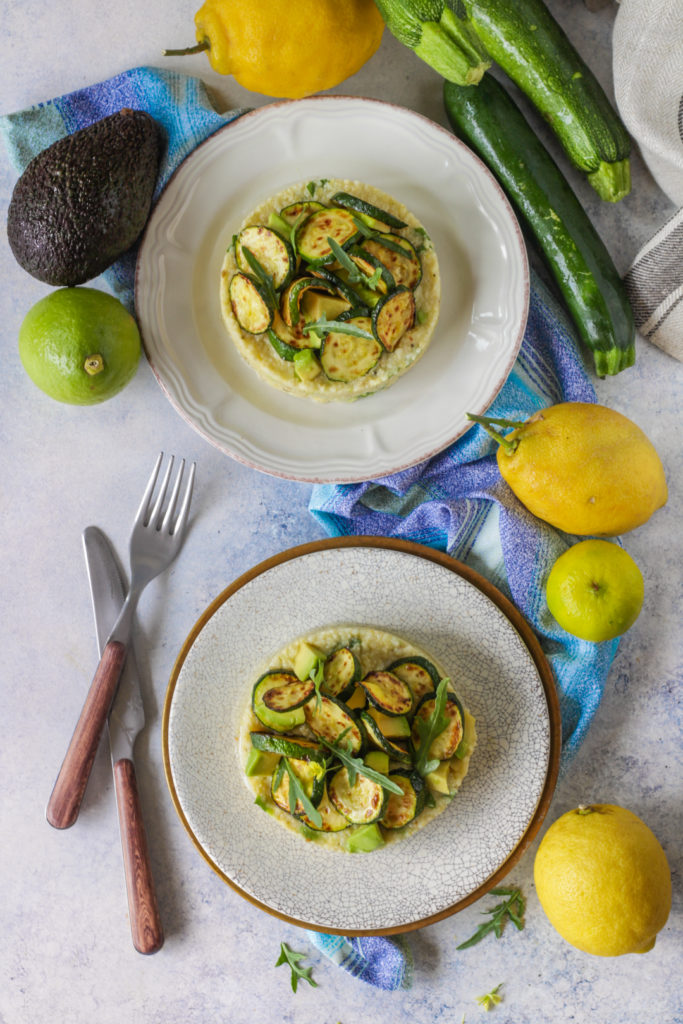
520 625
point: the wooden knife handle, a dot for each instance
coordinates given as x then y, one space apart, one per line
145 924
67 795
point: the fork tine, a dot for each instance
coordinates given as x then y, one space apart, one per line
144 504
184 512
173 500
155 514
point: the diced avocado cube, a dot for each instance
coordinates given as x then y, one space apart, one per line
314 304
306 366
394 727
437 780
306 660
365 838
276 222
357 699
259 762
378 761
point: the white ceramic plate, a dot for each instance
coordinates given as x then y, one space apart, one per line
484 273
500 673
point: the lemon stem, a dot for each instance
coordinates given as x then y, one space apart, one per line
197 48
93 365
584 809
486 421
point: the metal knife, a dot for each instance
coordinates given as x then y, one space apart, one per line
126 719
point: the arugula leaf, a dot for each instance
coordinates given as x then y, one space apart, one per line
297 792
490 999
354 271
288 956
310 188
325 326
428 729
364 228
510 909
354 765
317 674
262 274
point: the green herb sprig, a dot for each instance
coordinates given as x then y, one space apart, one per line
354 272
490 999
429 728
297 792
263 276
511 909
325 326
355 766
288 956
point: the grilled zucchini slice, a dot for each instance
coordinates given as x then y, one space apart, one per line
419 673
341 673
332 819
393 316
382 742
395 727
249 304
290 214
279 721
273 252
312 237
447 742
399 256
310 774
345 357
288 696
369 264
373 216
388 693
290 301
360 804
329 718
401 810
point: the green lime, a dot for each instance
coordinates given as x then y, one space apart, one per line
79 345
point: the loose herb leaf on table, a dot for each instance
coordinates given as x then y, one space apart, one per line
511 909
288 956
490 999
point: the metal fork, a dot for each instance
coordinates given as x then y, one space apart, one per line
155 540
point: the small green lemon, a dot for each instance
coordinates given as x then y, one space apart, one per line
79 345
603 880
595 590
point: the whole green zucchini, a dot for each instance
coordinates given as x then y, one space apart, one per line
440 34
488 120
526 41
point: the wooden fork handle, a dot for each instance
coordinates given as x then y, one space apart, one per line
145 924
67 795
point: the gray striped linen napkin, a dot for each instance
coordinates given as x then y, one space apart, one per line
647 59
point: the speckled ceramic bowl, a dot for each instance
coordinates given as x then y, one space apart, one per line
503 678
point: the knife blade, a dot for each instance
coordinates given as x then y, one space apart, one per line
126 719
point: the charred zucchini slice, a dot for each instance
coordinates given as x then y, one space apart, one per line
388 693
399 256
249 304
447 742
288 696
419 673
279 721
273 252
341 673
310 774
332 819
370 265
393 316
373 216
290 214
360 803
345 357
401 810
328 718
340 286
382 742
312 237
290 301
395 727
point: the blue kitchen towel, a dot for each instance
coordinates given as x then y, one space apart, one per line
182 106
458 502
179 103
382 962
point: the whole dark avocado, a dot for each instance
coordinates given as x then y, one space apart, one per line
83 201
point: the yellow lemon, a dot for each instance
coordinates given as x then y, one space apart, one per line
288 50
79 345
595 590
603 880
582 467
